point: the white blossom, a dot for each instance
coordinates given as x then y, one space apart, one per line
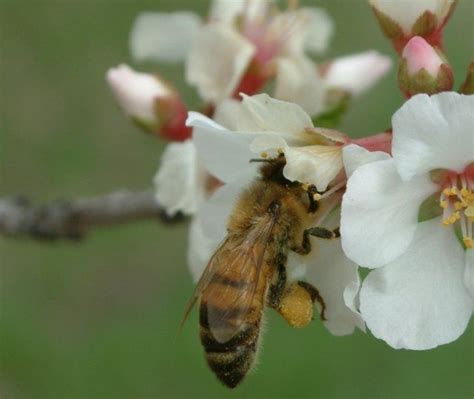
245 42
420 295
219 52
267 126
216 64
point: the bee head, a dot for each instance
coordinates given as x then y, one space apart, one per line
272 169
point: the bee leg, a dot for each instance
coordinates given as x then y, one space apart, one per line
315 296
313 203
278 288
322 232
305 247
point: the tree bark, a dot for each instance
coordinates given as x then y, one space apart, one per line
73 219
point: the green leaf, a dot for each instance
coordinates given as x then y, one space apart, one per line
333 116
430 208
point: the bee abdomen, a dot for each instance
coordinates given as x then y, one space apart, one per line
230 361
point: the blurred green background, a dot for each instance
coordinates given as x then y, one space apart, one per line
99 319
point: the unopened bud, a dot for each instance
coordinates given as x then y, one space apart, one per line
149 101
401 20
423 69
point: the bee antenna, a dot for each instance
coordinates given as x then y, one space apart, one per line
261 160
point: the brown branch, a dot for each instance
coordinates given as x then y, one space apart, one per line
73 219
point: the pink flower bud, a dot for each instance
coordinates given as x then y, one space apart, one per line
136 92
420 55
423 69
149 101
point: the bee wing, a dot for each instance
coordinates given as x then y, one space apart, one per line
204 281
238 271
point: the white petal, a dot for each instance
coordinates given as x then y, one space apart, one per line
224 154
262 114
209 226
230 114
433 132
226 10
469 273
354 156
216 210
200 248
310 30
316 164
298 81
217 61
136 92
419 301
332 273
407 13
271 115
235 116
357 73
319 29
164 37
268 143
352 299
380 213
333 135
197 120
180 181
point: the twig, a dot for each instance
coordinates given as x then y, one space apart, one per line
73 219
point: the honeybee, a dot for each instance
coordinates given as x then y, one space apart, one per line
248 271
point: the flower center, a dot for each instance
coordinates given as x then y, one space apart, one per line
270 29
457 201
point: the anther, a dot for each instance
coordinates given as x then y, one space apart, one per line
450 191
469 212
468 242
457 202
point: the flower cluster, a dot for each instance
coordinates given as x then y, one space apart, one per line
243 46
403 199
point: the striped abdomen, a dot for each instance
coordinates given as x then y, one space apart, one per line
229 333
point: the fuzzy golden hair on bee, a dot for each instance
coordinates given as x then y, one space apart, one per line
247 272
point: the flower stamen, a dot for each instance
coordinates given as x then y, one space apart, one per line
332 190
457 201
